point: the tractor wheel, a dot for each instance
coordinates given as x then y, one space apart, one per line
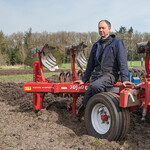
126 125
103 117
125 116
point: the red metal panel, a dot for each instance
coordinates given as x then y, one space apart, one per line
74 74
75 97
129 98
124 98
36 73
38 87
69 88
55 87
38 101
145 92
147 66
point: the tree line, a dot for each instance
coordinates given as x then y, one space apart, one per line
15 48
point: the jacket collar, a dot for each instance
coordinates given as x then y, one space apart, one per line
108 40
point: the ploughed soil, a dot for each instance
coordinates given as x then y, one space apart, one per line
55 127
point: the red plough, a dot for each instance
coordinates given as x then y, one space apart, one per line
106 114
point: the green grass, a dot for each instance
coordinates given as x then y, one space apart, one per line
135 64
63 66
99 142
27 77
16 68
67 66
131 64
7 146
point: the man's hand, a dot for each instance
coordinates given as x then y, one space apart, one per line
127 83
80 82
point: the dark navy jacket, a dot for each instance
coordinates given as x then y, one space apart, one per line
113 60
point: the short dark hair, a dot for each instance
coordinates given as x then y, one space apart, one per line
107 22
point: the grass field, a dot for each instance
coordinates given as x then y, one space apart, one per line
135 64
21 67
26 77
131 64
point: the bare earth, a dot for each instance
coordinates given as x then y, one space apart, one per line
55 127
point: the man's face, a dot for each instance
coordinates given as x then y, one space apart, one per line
104 30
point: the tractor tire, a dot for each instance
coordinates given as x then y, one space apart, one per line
125 116
115 99
126 125
103 117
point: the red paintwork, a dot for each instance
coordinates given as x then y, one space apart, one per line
40 86
147 66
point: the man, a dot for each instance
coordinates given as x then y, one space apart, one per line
108 56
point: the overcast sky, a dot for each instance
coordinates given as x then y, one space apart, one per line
72 15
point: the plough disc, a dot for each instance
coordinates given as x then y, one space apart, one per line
80 58
46 56
143 47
